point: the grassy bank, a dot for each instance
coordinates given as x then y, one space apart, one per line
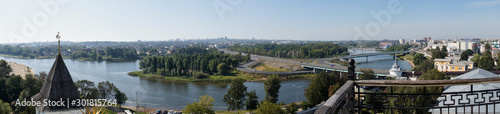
219 78
212 79
261 66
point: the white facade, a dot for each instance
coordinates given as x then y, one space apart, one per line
395 70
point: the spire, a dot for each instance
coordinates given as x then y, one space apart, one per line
59 42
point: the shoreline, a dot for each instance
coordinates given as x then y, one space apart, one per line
216 79
411 63
20 69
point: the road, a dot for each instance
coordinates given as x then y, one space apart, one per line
320 62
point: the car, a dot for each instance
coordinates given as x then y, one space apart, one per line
158 112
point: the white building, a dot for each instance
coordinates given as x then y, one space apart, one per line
395 71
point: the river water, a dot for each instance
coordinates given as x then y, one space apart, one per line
154 93
379 61
176 95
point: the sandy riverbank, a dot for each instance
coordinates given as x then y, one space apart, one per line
20 69
411 63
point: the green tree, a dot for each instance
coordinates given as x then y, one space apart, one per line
418 58
235 95
272 87
475 59
5 108
251 100
14 87
319 88
486 62
106 89
203 106
87 89
292 108
424 66
120 97
5 68
367 74
267 107
223 68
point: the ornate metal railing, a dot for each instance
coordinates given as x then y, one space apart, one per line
425 96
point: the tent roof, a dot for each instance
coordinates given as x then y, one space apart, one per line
58 85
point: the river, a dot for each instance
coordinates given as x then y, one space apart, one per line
379 61
176 95
154 93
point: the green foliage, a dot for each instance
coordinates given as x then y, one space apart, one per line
438 53
425 66
14 88
106 89
120 97
486 62
87 89
223 68
465 55
306 105
298 51
318 89
367 74
251 100
186 64
272 87
475 59
203 106
5 108
292 108
418 58
235 95
5 68
268 107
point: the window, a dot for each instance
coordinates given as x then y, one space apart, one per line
452 68
460 68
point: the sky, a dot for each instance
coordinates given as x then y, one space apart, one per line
325 20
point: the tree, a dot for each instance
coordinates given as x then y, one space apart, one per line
5 108
367 74
223 68
424 66
14 87
292 108
418 58
268 107
251 101
106 89
486 62
87 89
475 59
5 68
235 95
203 106
272 87
120 97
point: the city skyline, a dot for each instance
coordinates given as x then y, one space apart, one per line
280 20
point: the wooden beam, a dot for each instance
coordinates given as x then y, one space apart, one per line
336 99
426 83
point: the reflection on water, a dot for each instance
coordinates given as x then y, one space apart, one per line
154 93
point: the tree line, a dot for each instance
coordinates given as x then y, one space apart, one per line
296 51
13 87
73 51
193 64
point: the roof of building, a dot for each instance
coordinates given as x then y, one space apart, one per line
58 85
478 73
445 59
458 64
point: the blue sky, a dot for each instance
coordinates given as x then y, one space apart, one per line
119 20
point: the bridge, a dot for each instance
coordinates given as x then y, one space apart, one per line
374 54
343 69
320 63
354 98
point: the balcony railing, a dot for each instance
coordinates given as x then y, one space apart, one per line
351 99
